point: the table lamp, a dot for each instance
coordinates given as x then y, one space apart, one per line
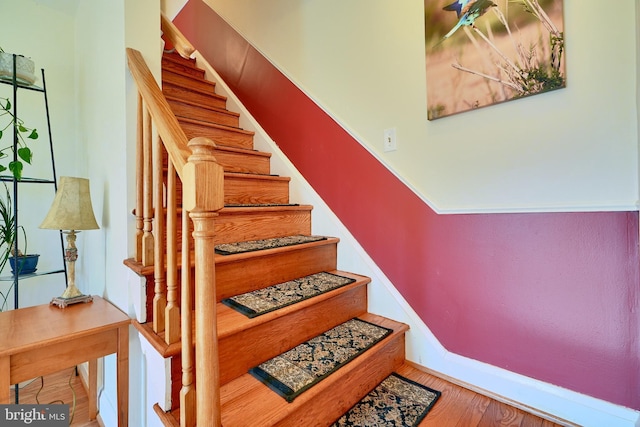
71 210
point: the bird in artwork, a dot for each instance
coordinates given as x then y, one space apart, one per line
456 6
468 11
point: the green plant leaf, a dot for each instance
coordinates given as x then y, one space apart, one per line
16 169
25 154
3 168
22 129
8 105
0 134
33 134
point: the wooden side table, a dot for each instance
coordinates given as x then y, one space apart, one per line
40 340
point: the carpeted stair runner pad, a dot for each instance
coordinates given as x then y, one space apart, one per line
296 370
395 402
265 300
257 245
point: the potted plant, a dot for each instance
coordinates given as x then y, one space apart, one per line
9 122
8 244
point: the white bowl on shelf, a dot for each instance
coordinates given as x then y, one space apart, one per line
25 68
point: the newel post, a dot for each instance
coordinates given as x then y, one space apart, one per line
203 187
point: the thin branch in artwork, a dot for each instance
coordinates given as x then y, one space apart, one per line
503 20
478 47
535 8
493 46
486 76
556 37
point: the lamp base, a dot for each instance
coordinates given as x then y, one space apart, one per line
63 302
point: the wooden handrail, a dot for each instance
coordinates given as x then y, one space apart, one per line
164 120
180 42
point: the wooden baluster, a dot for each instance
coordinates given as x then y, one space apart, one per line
147 238
172 312
188 391
159 272
203 196
139 180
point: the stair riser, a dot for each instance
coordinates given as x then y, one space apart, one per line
200 98
224 136
181 109
236 276
251 347
243 163
243 190
252 162
261 225
183 66
238 227
187 82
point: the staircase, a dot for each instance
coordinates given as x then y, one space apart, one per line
257 206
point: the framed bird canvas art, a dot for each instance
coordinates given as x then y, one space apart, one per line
482 52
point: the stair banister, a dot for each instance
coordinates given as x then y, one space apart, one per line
164 120
171 33
202 202
203 195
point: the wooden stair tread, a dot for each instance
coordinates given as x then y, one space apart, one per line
247 400
256 176
196 90
230 321
210 124
142 270
168 72
175 57
204 107
187 81
223 259
245 151
239 209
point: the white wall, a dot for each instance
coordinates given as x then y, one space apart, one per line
81 45
107 127
363 61
172 7
55 52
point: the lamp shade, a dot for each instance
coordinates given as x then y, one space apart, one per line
71 208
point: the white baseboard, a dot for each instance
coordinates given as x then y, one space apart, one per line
158 376
137 286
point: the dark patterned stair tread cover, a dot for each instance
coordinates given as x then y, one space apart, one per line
395 402
266 300
257 245
298 369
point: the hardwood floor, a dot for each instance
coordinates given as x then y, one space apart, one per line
460 407
58 387
457 407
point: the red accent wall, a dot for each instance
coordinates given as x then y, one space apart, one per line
553 296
